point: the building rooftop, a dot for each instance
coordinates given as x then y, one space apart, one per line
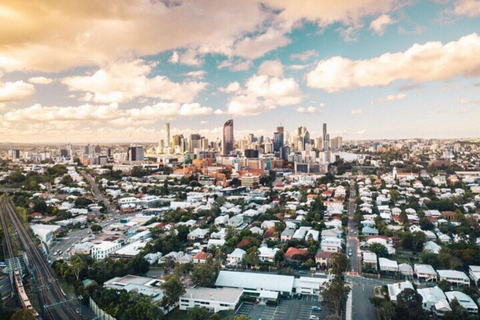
230 295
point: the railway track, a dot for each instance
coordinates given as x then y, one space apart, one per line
54 303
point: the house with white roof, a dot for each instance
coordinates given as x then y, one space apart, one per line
370 259
434 300
455 277
432 247
236 257
474 272
387 265
267 254
464 300
330 244
395 289
425 272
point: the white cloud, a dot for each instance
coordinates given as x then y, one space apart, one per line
40 80
39 113
309 110
232 87
464 110
390 97
126 81
273 68
356 111
469 8
281 91
236 65
198 74
15 91
420 63
381 23
256 47
296 67
304 56
265 91
167 111
188 57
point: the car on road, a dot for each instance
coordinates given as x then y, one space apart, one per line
315 308
313 317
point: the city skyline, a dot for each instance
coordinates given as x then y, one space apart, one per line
263 64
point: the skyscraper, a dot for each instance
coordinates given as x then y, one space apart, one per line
278 138
167 134
227 142
325 143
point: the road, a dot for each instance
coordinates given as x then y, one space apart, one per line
64 243
362 290
52 300
97 192
352 234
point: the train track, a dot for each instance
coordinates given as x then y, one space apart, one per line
54 303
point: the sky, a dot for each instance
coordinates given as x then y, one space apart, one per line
91 71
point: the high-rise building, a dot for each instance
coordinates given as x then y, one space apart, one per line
135 153
195 142
167 134
228 140
278 139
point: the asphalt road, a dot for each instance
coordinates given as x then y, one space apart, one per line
97 192
362 290
352 235
64 243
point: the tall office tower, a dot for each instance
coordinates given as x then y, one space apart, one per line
204 144
167 134
278 139
318 143
98 149
227 142
251 138
324 131
195 140
268 145
135 153
284 153
109 153
177 140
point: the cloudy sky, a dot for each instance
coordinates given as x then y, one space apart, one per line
116 71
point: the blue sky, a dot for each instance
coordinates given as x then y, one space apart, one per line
83 71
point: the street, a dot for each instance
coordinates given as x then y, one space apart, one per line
352 234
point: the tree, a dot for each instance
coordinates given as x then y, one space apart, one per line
335 295
23 314
197 313
340 264
426 224
96 228
82 202
205 274
409 305
173 288
241 317
252 257
444 285
379 249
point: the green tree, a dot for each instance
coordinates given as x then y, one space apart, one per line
379 249
173 288
197 313
241 317
340 264
409 305
96 228
252 257
205 274
335 295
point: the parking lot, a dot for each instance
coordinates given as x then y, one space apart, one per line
294 308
